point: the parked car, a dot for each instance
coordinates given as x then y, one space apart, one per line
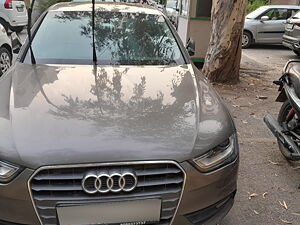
13 15
172 11
291 38
132 134
5 51
266 24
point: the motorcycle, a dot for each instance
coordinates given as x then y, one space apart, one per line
287 126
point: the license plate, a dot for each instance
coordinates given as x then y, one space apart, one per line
112 213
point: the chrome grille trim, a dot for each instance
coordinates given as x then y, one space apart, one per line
174 170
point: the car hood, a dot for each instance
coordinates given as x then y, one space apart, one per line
86 114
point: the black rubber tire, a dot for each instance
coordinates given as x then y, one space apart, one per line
285 108
249 37
17 29
4 24
297 52
5 50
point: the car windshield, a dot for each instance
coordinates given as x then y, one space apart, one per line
256 13
121 38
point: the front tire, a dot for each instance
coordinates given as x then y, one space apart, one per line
5 60
282 117
246 39
4 24
297 52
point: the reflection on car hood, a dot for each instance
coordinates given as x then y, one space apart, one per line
53 115
80 114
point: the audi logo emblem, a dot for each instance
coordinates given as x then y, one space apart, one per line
103 182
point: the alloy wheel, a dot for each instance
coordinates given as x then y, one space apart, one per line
5 62
245 40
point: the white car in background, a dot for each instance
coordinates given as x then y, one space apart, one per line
6 53
266 24
172 11
13 15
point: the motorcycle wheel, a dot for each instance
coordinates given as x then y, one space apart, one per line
282 117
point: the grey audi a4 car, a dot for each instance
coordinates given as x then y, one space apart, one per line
132 134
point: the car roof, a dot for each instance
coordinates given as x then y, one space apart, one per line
106 6
283 6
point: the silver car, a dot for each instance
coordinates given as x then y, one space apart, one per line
132 134
13 15
6 51
266 24
291 38
172 11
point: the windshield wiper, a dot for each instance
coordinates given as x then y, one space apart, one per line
93 33
29 12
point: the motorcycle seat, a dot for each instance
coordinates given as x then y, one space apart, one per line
294 74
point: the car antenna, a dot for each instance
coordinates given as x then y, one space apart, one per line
93 33
29 11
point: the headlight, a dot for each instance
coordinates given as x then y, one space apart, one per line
219 156
7 172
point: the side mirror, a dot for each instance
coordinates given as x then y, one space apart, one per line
191 47
264 18
16 43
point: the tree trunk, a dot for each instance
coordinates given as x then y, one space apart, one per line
223 58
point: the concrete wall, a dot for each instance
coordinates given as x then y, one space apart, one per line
285 2
183 24
199 31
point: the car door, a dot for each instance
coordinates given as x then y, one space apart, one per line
272 30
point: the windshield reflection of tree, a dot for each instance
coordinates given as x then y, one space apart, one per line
130 39
136 112
127 38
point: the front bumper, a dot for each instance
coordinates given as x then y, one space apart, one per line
291 42
206 198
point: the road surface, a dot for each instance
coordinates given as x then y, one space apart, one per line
268 186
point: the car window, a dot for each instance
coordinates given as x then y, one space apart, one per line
277 14
256 13
121 38
293 12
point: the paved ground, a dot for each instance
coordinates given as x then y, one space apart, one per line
23 35
269 187
270 55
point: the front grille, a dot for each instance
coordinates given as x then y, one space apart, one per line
54 186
